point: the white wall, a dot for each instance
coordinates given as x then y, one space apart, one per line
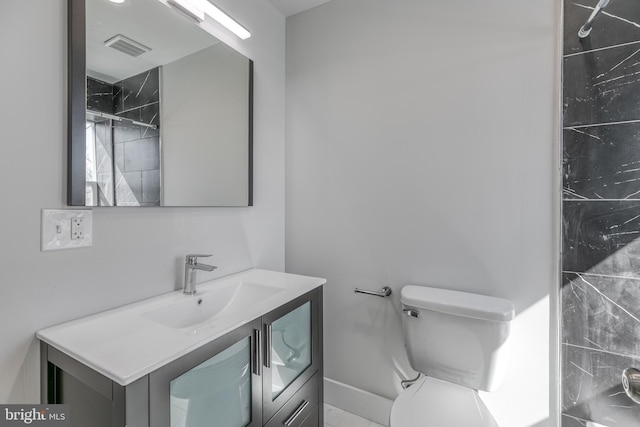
421 149
137 252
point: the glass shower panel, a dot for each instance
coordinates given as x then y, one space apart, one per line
99 163
216 392
91 186
290 347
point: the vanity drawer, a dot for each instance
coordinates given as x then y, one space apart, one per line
312 419
299 410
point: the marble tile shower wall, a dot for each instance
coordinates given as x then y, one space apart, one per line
135 149
600 295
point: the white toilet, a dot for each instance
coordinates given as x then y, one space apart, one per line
459 342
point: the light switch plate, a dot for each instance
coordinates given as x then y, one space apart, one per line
66 229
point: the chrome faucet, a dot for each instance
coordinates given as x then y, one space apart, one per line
191 267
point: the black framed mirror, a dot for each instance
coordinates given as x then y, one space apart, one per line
160 112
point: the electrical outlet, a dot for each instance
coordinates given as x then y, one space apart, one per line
77 228
66 229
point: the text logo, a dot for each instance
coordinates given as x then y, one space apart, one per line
34 415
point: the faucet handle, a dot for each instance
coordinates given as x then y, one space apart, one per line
193 258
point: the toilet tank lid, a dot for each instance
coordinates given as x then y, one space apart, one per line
457 303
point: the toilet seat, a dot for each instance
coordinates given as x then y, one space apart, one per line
431 402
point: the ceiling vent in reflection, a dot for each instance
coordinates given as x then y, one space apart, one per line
126 45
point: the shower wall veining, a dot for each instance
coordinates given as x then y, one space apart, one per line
132 151
601 214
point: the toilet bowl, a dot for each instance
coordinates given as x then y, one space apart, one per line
435 403
458 340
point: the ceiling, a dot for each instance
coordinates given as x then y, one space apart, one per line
146 22
292 7
169 36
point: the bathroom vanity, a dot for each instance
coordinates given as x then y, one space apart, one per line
245 350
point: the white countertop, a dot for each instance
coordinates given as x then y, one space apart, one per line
124 345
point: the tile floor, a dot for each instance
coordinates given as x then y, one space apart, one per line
336 417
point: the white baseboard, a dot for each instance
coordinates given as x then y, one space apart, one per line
362 403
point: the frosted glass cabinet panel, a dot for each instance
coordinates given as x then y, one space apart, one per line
216 385
292 350
290 347
218 389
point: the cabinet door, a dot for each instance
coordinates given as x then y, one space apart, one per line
291 350
217 384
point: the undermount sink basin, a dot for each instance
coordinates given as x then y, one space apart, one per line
189 310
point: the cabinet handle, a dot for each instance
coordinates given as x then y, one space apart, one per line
257 352
297 413
267 346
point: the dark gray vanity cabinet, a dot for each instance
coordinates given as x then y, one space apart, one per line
267 372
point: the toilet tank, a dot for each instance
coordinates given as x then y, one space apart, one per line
458 337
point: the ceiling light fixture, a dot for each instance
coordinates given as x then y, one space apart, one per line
196 9
117 1
189 9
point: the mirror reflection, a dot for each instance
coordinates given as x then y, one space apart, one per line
168 110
